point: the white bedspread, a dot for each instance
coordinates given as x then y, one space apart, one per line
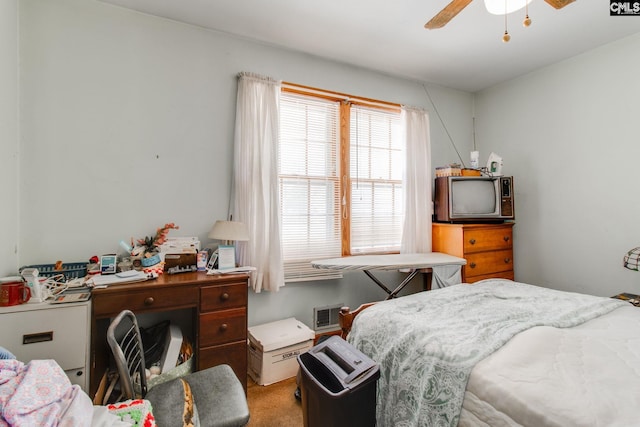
588 375
428 343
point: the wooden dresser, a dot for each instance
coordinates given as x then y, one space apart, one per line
216 307
488 248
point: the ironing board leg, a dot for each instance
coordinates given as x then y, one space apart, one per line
392 294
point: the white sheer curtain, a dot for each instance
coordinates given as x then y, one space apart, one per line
416 234
255 195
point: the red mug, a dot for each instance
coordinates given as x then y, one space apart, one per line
14 293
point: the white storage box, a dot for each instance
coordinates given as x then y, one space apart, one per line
274 347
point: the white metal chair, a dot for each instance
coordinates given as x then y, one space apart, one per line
216 393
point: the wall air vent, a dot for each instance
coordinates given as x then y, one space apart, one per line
326 318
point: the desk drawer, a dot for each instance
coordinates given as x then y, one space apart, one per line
223 326
488 262
223 297
140 300
233 354
482 239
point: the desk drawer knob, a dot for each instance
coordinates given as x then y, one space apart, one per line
148 301
472 241
506 238
224 297
472 265
507 260
224 327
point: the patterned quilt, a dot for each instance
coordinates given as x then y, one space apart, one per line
428 343
40 394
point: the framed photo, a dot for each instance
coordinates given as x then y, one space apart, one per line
108 264
226 257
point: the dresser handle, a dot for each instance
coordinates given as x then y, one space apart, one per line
224 297
506 238
507 260
472 265
472 241
148 301
224 327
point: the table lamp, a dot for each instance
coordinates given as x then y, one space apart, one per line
228 232
632 259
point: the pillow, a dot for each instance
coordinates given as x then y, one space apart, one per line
173 404
137 412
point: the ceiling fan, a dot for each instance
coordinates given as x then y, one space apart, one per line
453 8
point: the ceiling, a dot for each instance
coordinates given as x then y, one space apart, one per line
389 36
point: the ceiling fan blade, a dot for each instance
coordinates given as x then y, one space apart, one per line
559 4
447 14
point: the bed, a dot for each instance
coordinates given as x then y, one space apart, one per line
501 353
39 393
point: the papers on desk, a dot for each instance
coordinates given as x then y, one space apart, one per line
130 276
245 269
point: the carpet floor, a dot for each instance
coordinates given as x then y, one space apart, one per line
274 405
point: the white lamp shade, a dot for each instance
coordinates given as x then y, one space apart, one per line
503 7
229 230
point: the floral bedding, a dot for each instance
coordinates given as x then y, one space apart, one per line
40 394
428 343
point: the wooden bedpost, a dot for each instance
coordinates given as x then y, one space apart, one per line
346 316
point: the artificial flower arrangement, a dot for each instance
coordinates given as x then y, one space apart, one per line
148 247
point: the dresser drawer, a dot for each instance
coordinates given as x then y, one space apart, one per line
223 297
59 334
140 300
482 239
223 326
488 262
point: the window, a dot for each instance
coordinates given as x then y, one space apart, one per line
340 176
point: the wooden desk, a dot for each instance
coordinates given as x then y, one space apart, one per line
218 306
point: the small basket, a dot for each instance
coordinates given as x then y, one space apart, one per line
179 371
72 270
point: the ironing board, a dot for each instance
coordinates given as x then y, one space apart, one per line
412 262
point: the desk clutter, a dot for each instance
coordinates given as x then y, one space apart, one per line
210 308
167 353
144 259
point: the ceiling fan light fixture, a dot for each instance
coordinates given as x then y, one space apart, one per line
527 20
498 7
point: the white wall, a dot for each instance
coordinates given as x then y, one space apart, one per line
127 123
8 136
569 135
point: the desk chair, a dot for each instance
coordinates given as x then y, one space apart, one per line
213 396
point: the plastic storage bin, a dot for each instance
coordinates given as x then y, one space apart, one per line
70 271
338 385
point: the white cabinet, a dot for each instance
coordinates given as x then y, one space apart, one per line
50 331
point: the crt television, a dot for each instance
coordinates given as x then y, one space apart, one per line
473 199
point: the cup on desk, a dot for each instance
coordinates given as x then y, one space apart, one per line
14 293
